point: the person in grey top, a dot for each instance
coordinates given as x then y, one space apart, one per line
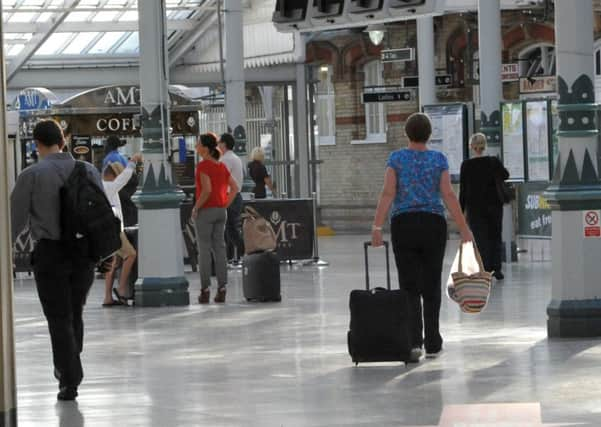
62 278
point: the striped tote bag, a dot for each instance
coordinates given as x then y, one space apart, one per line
469 285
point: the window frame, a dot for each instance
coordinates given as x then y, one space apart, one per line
329 96
373 76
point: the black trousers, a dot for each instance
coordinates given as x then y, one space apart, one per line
63 282
419 240
233 234
487 227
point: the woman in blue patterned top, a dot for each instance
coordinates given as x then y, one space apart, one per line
416 183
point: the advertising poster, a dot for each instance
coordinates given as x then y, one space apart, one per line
448 134
292 222
81 148
534 213
513 140
537 138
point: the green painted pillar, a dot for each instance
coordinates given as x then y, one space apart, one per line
575 193
8 390
160 242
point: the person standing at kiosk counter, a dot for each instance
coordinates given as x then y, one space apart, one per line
258 173
233 237
114 178
215 192
63 277
111 152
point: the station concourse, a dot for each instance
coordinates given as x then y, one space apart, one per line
324 89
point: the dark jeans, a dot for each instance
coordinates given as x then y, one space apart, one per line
419 240
63 283
233 234
487 226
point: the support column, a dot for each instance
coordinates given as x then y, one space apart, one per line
575 192
235 99
491 89
301 143
160 254
8 390
425 61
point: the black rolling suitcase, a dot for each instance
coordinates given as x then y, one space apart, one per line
261 277
379 321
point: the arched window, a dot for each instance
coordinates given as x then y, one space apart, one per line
537 60
375 124
325 106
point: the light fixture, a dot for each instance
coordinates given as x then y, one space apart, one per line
376 33
324 68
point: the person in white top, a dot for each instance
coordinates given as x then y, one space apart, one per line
114 178
233 236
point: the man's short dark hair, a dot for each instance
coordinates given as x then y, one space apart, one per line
228 140
48 133
418 127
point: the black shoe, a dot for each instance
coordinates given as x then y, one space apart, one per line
498 275
67 393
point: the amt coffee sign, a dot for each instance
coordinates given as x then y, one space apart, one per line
292 221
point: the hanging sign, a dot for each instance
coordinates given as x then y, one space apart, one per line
387 94
590 224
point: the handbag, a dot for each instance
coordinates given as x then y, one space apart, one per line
257 232
469 285
505 191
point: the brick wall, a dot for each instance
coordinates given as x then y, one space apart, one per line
351 175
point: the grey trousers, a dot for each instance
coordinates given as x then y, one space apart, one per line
210 226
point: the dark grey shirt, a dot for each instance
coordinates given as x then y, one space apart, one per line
35 200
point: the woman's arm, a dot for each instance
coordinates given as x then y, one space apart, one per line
233 191
386 198
205 192
269 184
450 200
462 186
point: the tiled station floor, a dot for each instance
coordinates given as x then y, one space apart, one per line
286 364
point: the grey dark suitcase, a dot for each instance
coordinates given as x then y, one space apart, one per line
379 321
261 277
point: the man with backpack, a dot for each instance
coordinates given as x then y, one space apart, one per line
63 273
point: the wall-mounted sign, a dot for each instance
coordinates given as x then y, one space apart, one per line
538 84
510 72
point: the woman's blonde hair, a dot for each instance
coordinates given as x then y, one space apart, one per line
257 154
478 141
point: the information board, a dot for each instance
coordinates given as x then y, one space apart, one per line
537 140
513 139
449 133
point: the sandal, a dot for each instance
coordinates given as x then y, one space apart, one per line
122 300
112 303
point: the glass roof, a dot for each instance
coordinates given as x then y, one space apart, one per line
92 28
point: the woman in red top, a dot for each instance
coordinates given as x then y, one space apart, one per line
215 191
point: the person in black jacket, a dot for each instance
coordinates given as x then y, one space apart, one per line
481 181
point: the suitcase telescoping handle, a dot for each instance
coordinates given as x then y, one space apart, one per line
367 245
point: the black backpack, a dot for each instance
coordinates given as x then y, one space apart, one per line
89 226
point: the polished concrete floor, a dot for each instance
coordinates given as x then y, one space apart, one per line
286 364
